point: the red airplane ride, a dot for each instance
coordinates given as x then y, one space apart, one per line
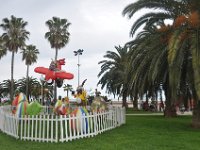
54 72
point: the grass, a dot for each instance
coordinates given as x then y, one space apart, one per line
139 133
6 103
132 111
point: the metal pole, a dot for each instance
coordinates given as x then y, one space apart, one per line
78 71
78 52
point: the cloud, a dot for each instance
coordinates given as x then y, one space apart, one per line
97 26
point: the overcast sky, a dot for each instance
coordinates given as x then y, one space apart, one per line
96 26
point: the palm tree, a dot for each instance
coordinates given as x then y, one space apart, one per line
14 37
158 10
115 73
34 88
5 86
149 62
29 54
3 50
67 87
182 50
1 90
32 82
151 68
48 91
58 36
38 89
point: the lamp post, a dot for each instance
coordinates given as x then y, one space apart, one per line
77 53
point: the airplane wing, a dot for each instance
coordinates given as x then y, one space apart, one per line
41 70
64 75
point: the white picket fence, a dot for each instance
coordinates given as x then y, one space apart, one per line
52 128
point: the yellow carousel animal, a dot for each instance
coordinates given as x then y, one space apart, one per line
81 95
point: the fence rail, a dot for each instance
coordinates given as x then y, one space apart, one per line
53 128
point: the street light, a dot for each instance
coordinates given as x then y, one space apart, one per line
77 53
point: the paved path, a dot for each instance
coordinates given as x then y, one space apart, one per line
160 114
149 114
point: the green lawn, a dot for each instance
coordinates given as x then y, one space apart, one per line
139 133
132 111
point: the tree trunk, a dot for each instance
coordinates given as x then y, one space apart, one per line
42 93
55 84
55 91
196 115
135 103
124 103
196 70
12 80
196 111
27 81
170 110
